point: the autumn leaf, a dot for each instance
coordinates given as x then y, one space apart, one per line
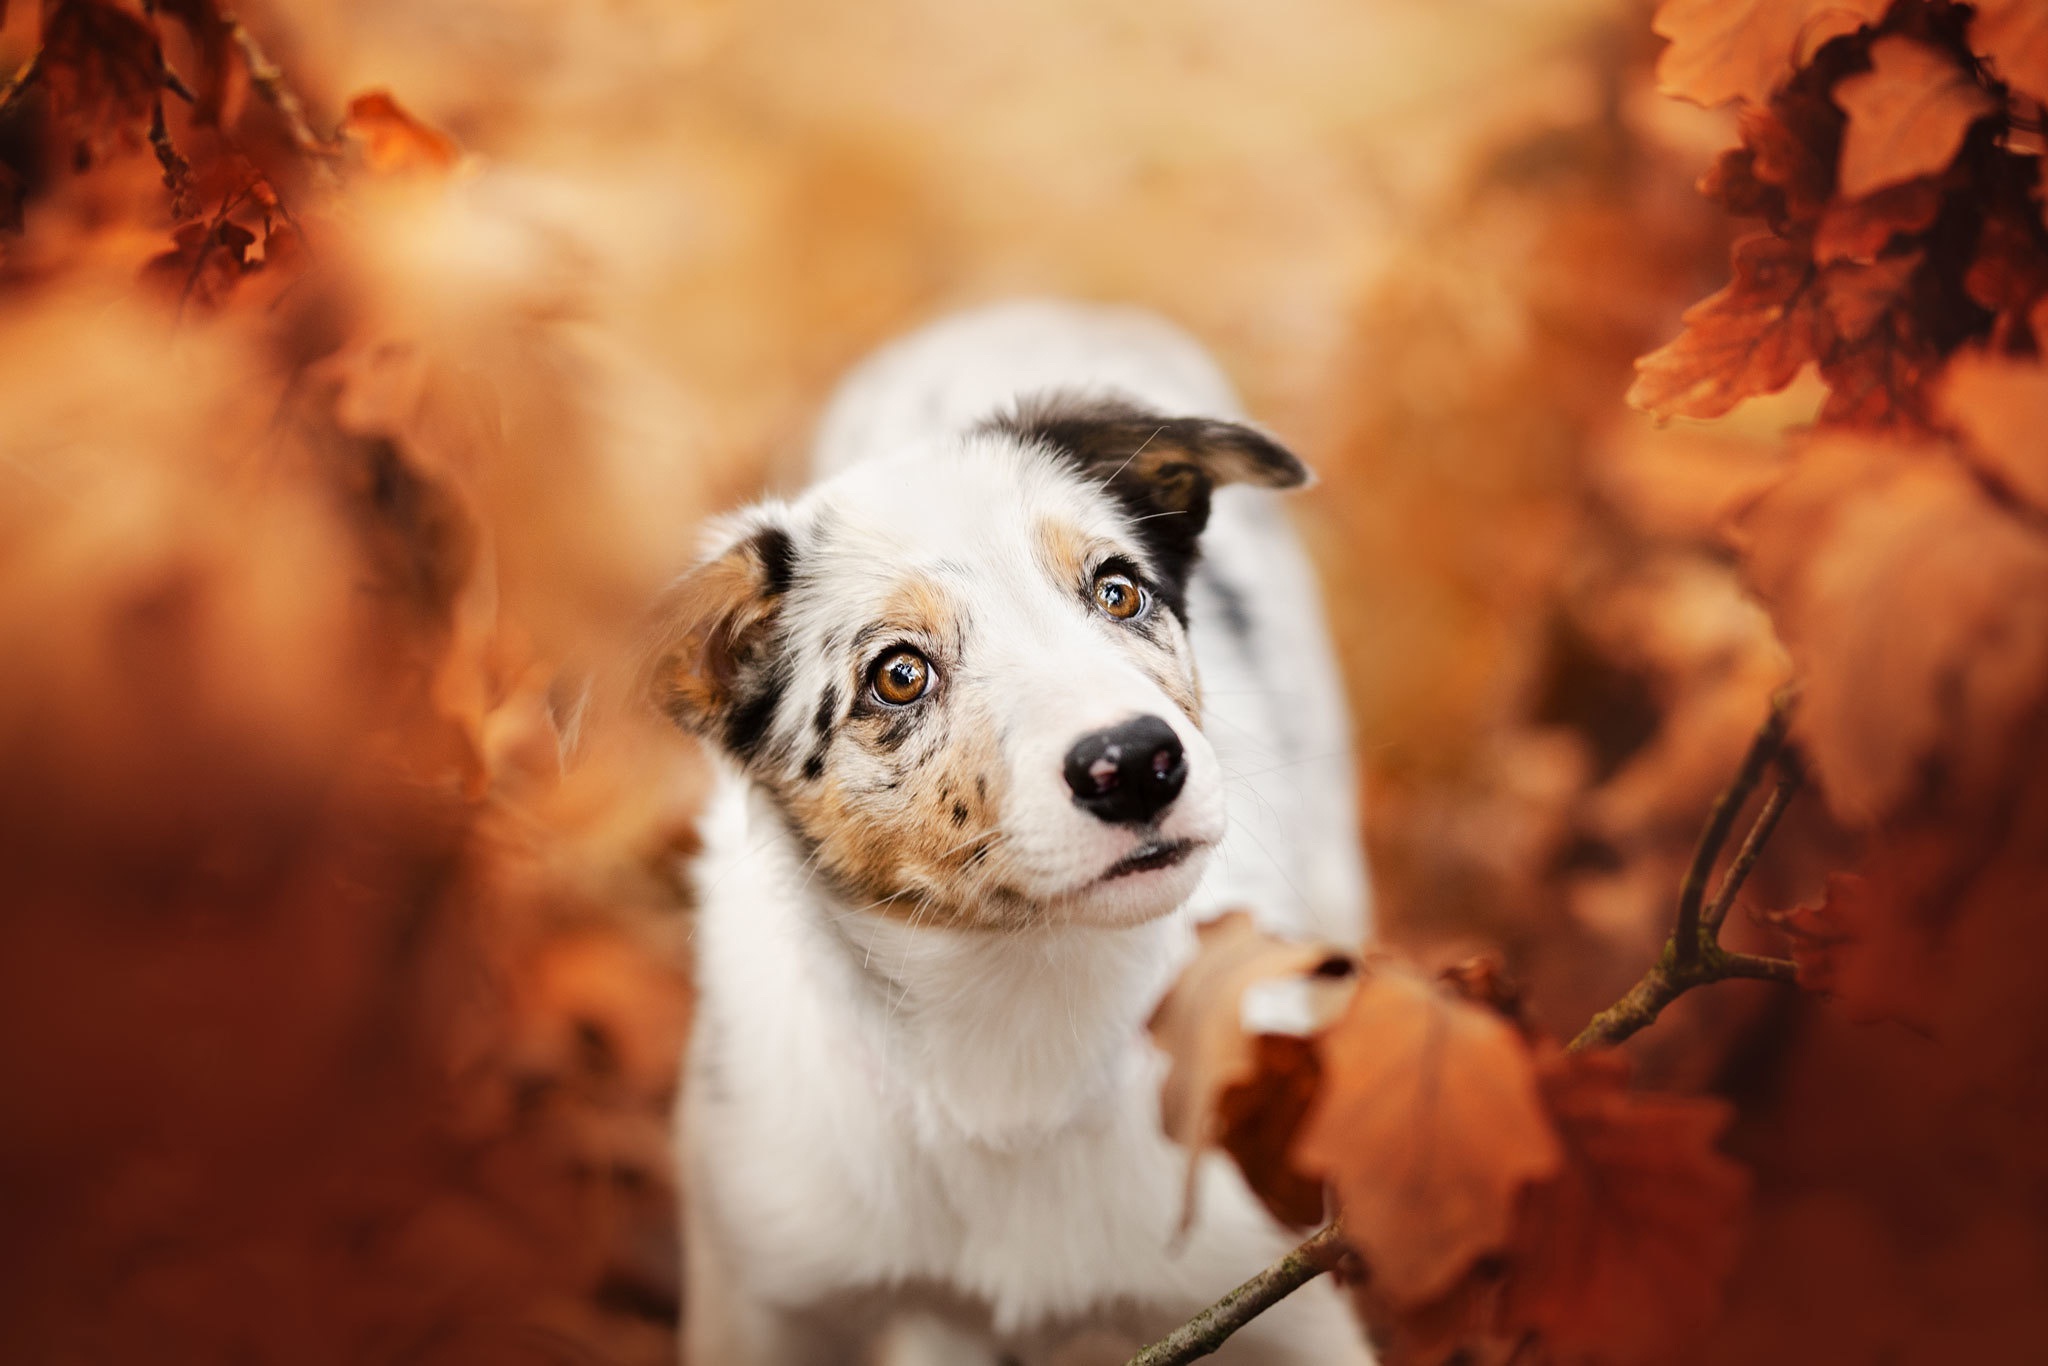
393 142
1744 49
2014 35
1233 1080
102 69
1750 338
1861 229
1915 610
1861 949
1428 1128
2001 405
1621 1256
1906 115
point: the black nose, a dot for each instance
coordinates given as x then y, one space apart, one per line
1129 773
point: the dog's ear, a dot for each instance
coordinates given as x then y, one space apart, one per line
712 667
1161 469
1130 448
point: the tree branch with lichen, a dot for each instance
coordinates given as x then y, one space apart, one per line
1691 957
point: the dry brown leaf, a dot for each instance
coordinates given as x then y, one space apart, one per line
1428 1128
1915 610
1621 1257
1744 49
393 141
1859 296
2001 405
100 65
1226 1086
1750 338
1859 948
2014 35
1907 115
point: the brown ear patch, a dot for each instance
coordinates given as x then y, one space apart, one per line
713 669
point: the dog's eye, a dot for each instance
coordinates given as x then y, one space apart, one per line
1116 595
901 677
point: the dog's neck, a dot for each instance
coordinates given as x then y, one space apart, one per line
1000 1037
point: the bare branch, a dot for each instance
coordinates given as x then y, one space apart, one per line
1208 1330
1790 775
1670 977
20 82
269 80
1721 819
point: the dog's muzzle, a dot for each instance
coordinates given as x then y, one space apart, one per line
1129 773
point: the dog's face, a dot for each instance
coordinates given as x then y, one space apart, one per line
963 673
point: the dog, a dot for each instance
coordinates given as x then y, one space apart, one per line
1032 680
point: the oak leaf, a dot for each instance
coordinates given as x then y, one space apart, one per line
1859 949
2014 35
102 68
1749 338
1745 49
1621 1256
1915 610
1906 115
393 142
1234 1082
1428 1127
1861 229
2002 407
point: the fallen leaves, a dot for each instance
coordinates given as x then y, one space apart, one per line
2014 35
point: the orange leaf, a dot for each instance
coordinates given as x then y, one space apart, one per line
2014 35
1230 1084
1622 1255
1858 948
1858 296
1749 338
1915 610
100 65
1428 1128
2002 407
1907 115
1861 229
393 141
1745 49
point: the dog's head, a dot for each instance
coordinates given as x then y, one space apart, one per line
963 674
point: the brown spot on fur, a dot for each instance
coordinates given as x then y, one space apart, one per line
1063 551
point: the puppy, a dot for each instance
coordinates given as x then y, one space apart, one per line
1029 682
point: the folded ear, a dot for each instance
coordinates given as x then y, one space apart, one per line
715 664
1128 447
1161 469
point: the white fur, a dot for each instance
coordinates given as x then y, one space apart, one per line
885 1116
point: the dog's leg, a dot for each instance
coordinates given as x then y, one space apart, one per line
725 1323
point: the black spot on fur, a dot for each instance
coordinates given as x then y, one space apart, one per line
828 711
778 560
959 814
814 766
746 726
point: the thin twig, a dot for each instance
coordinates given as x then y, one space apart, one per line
18 84
268 78
177 171
1668 978
1721 819
1208 1330
1790 775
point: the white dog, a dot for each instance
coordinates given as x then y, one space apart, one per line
997 738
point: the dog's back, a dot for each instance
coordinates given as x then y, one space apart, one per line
1271 698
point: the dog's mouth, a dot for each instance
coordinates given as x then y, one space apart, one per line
1149 857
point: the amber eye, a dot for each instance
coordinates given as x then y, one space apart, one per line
1118 596
901 677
